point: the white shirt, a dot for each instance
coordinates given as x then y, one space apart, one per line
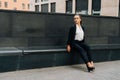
79 33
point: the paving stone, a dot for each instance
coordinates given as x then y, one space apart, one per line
104 71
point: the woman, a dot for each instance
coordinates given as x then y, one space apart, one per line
76 41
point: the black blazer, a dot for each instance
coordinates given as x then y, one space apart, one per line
71 35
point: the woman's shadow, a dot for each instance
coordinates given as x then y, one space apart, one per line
76 62
79 67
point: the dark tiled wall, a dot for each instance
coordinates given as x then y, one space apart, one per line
44 29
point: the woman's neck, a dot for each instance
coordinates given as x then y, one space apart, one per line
78 24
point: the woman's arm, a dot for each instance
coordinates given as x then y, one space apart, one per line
70 35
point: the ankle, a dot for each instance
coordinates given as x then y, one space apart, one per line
92 63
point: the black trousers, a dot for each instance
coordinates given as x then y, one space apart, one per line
83 49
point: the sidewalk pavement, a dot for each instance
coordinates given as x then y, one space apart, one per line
104 71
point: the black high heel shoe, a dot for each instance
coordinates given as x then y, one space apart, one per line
93 68
90 69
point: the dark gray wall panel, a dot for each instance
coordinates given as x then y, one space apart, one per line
46 41
115 54
5 24
8 63
36 61
28 25
44 29
100 55
62 58
13 42
114 40
109 27
57 25
97 40
91 25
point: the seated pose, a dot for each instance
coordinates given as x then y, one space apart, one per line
76 41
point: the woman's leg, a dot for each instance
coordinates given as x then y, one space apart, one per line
84 56
82 52
87 49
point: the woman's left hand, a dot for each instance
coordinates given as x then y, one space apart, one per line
68 48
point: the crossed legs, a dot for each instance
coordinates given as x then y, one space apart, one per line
84 51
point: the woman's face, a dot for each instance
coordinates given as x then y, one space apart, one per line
77 19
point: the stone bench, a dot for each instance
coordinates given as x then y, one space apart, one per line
19 58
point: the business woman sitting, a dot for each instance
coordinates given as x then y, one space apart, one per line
76 40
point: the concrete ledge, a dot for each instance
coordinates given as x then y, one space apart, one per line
7 51
29 50
26 50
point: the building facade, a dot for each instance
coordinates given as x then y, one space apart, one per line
87 7
14 5
47 6
110 8
98 7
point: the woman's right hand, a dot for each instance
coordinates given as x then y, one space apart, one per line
68 48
